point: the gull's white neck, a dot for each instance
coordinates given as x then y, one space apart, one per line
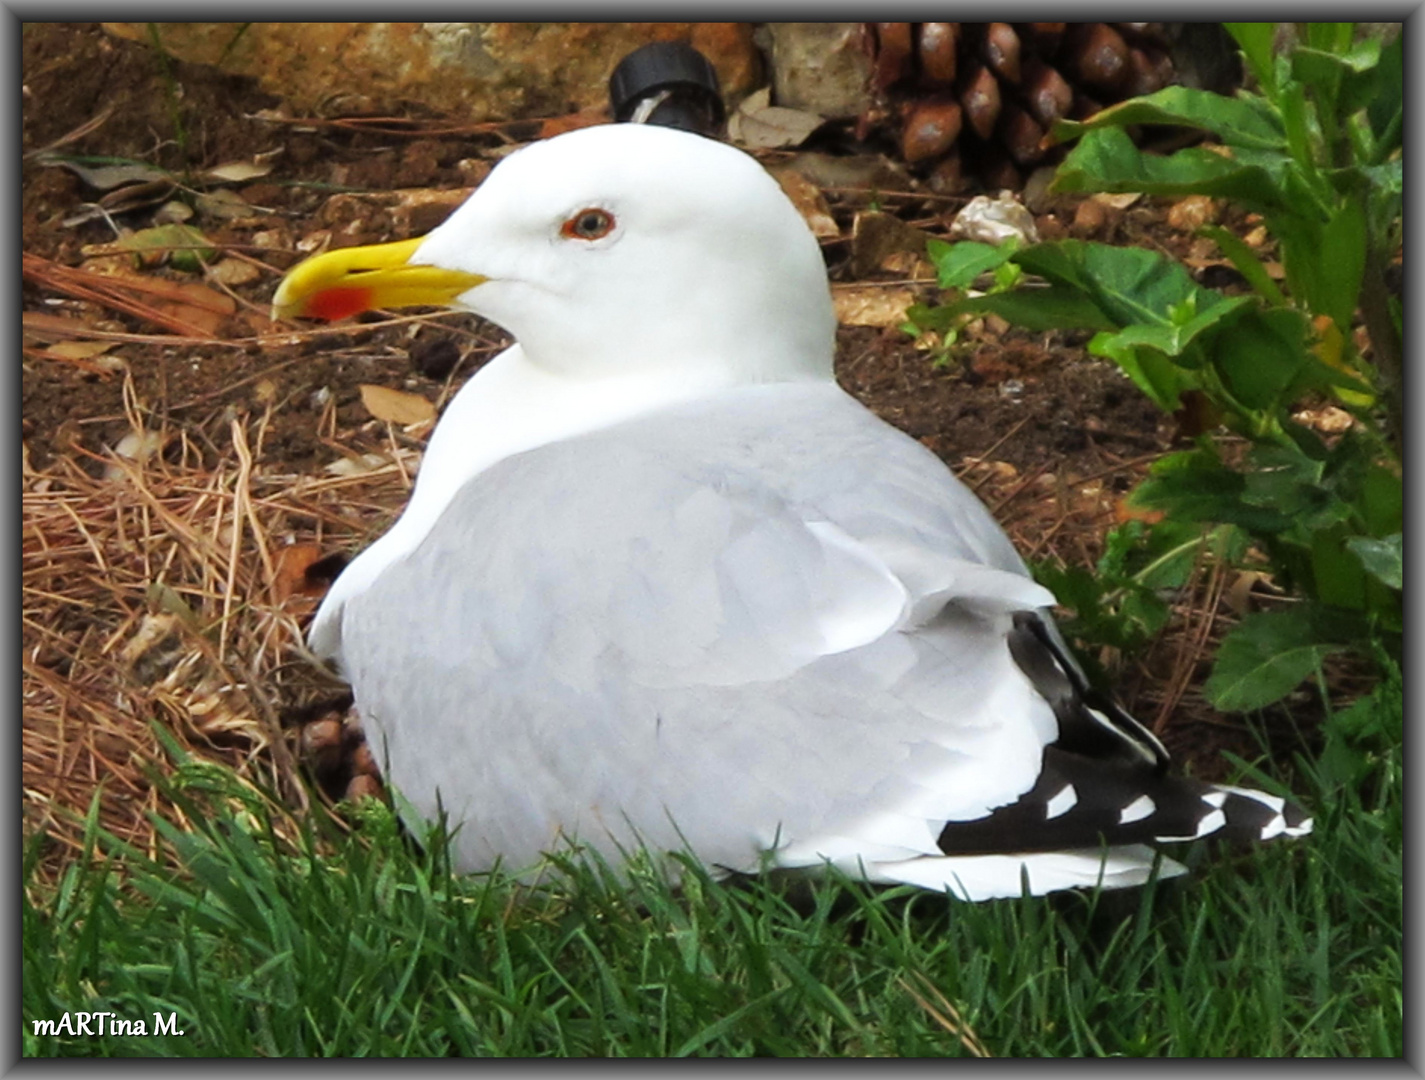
512 405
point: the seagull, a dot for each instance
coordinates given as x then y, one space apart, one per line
663 585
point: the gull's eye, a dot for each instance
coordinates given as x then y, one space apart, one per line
590 224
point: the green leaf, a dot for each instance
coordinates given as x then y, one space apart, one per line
1289 482
1342 258
1382 501
1108 608
1195 486
1153 373
1383 559
1297 123
1175 339
1107 160
1267 656
1129 285
1387 178
1349 78
1261 357
1172 548
1049 308
958 265
1329 37
1255 41
1338 577
1385 109
1377 716
1239 121
185 247
1245 260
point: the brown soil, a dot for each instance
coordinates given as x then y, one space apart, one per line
1062 435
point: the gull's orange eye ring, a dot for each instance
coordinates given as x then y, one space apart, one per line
590 224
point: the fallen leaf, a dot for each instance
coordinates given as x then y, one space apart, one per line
182 245
358 466
758 125
79 350
314 242
153 630
133 196
876 236
1192 213
1000 470
121 201
136 446
870 305
1124 512
395 406
108 177
234 272
809 201
200 318
290 572
226 205
173 212
1239 593
558 125
1329 419
43 326
1118 200
235 172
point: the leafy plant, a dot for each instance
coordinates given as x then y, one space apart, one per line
1120 603
1316 153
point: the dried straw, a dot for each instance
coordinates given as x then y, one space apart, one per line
154 594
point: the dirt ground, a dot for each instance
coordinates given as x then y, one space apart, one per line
1050 436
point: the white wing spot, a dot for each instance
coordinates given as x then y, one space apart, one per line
1061 803
1137 810
1272 802
1275 827
1215 798
1210 823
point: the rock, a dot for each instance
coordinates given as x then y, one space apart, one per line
483 71
819 67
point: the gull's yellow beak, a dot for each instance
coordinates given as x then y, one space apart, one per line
351 280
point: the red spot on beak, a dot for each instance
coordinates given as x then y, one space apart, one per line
338 303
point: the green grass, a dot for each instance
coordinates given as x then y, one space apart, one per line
364 945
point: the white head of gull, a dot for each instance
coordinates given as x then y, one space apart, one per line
662 583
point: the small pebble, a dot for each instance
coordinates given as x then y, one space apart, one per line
363 786
363 761
321 744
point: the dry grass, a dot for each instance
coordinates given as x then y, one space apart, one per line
169 592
